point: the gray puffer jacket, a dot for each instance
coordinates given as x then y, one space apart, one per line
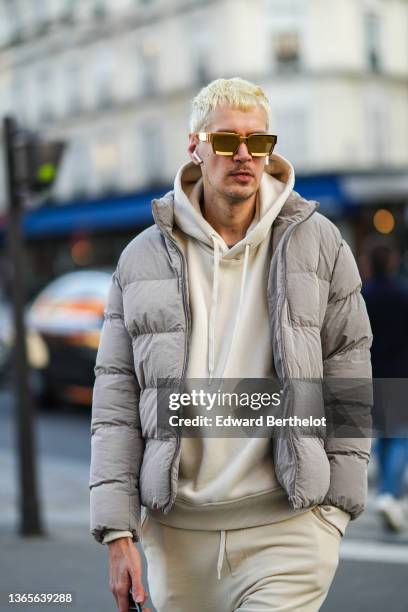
319 328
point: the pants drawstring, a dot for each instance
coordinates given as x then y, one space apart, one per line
221 554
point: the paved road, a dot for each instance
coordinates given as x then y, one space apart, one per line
62 432
372 576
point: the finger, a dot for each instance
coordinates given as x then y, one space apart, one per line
115 597
138 592
112 588
138 596
123 603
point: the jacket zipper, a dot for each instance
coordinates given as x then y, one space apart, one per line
286 238
186 348
186 356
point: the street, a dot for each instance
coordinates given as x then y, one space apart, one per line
372 576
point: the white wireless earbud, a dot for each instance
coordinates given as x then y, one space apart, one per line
196 157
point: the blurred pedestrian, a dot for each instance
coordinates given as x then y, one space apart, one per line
386 298
239 278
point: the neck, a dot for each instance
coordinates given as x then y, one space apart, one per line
230 219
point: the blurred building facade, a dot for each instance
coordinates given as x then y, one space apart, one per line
115 79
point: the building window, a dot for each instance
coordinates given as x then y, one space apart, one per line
199 36
292 126
100 9
104 79
378 133
286 49
70 11
202 76
14 22
106 163
73 88
41 15
149 61
152 146
18 97
149 82
372 41
45 92
80 168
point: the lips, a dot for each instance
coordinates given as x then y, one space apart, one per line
242 177
242 173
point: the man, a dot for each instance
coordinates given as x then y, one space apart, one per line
384 293
239 278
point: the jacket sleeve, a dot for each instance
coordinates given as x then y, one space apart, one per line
117 444
346 341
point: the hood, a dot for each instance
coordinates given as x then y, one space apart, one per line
276 185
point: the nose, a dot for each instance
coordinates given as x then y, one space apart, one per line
242 153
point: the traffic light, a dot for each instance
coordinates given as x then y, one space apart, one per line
43 161
34 160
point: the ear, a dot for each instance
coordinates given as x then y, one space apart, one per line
192 149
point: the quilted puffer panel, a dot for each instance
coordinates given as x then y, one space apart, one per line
115 348
158 356
146 258
115 505
330 237
105 444
313 473
346 277
117 398
155 474
148 412
346 327
324 289
153 306
302 247
302 347
117 452
348 489
302 292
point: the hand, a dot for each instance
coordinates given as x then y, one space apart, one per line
125 573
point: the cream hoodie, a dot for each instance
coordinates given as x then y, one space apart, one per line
230 338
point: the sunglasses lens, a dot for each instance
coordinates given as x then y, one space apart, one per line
260 144
225 144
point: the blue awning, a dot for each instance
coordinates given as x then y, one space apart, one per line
133 211
106 214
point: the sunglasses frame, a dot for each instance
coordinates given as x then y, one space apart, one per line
209 137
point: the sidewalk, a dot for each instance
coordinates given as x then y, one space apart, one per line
67 560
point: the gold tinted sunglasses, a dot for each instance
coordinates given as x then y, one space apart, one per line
227 143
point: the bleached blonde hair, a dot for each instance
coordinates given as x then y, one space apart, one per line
235 93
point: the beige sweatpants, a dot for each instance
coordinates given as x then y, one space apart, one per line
284 566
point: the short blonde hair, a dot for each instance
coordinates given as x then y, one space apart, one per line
235 92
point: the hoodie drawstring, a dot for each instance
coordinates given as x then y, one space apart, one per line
221 553
213 311
214 303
